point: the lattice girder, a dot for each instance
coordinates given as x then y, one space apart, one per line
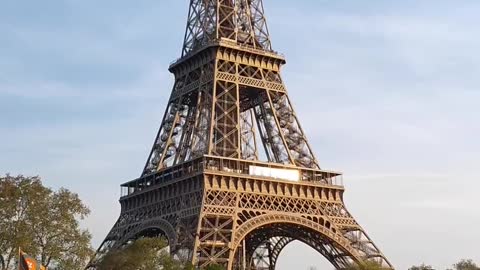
214 205
240 21
219 101
310 206
214 182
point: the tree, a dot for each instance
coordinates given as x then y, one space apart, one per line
142 254
215 267
43 222
466 265
421 267
368 265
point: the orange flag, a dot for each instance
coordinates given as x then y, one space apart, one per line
28 263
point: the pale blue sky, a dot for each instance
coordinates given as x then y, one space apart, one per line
387 91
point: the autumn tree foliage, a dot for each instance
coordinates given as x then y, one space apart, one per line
43 222
367 265
466 265
142 254
421 267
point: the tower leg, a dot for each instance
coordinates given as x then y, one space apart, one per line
213 241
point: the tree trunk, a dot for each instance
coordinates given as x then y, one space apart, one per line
2 261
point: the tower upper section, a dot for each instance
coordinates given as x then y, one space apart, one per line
241 21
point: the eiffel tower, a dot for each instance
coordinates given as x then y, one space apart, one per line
231 179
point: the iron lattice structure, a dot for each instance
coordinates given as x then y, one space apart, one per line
231 178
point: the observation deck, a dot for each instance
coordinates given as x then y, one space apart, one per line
236 168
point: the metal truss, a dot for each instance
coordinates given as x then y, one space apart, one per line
229 112
213 211
219 100
242 21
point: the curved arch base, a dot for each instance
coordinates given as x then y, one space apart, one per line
241 221
179 235
265 237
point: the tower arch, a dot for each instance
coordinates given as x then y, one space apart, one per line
276 231
152 228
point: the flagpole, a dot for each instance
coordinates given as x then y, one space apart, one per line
19 257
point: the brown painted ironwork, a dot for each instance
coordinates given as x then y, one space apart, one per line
229 113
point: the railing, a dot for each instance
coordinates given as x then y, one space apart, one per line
231 166
186 169
239 166
229 43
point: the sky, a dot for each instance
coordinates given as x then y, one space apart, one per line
387 92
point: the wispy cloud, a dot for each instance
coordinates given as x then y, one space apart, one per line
153 83
387 92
